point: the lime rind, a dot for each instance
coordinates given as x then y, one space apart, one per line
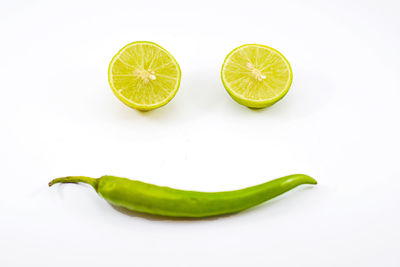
253 102
162 96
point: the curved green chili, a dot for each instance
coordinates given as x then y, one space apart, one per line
166 201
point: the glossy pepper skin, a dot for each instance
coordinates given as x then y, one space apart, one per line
166 201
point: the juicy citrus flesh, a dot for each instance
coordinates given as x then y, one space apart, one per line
256 76
144 76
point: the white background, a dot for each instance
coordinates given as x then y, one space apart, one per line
339 123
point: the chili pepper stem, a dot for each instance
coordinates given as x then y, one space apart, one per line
76 179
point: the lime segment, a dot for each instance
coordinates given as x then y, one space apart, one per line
144 76
256 76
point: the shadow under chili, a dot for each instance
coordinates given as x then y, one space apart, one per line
152 217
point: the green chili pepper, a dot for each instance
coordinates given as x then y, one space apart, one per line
166 201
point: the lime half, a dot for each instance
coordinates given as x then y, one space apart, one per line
256 76
144 76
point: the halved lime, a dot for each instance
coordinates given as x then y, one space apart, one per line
144 76
256 75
